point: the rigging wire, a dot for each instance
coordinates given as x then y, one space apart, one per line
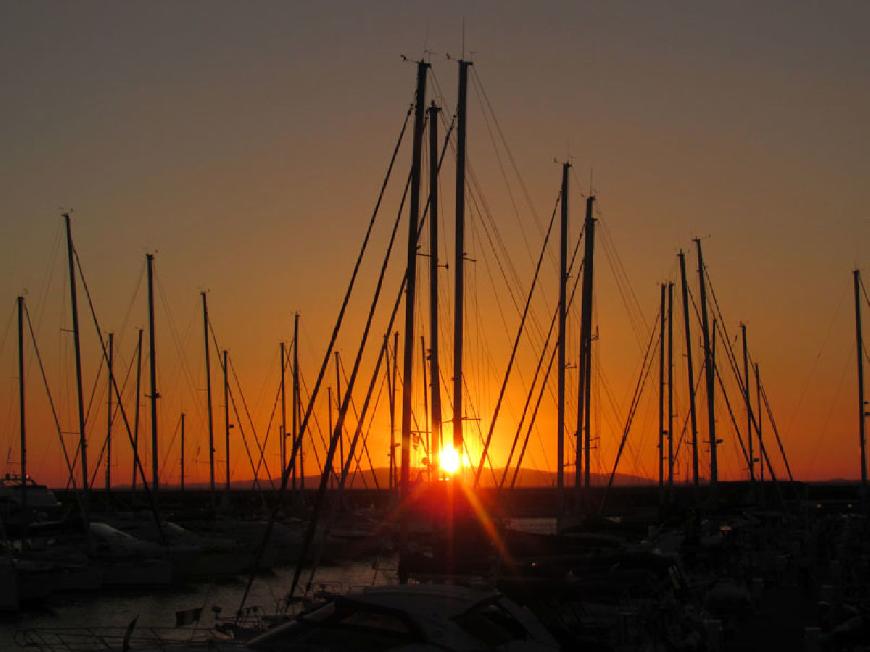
136 458
688 414
519 334
310 533
317 427
51 402
56 247
479 86
776 431
475 83
232 397
179 345
103 448
646 367
168 448
731 413
864 290
543 386
261 447
346 468
734 367
365 448
272 413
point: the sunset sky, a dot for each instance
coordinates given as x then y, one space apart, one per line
244 144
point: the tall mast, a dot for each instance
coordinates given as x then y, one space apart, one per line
391 381
411 285
136 409
862 414
282 440
560 348
182 451
758 420
337 411
152 362
297 403
661 437
434 369
459 255
748 404
708 367
109 414
227 424
74 308
205 325
426 429
410 290
331 470
687 329
395 444
670 419
587 418
21 406
584 394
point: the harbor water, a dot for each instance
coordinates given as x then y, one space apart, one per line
157 609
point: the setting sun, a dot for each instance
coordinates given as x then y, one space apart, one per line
449 461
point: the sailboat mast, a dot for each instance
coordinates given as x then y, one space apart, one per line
391 380
746 400
584 369
136 400
758 420
111 365
297 404
152 363
282 440
862 414
670 416
21 405
411 275
560 348
330 471
459 254
182 451
410 293
74 309
690 370
337 409
587 419
708 367
227 425
434 369
211 449
426 429
661 436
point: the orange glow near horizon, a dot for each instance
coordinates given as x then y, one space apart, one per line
449 461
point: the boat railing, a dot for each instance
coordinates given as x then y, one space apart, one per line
95 639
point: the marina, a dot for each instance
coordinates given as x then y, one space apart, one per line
476 429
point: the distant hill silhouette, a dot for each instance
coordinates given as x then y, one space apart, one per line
525 478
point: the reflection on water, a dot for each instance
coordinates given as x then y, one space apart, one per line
157 609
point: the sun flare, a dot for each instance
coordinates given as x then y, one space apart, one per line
449 460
